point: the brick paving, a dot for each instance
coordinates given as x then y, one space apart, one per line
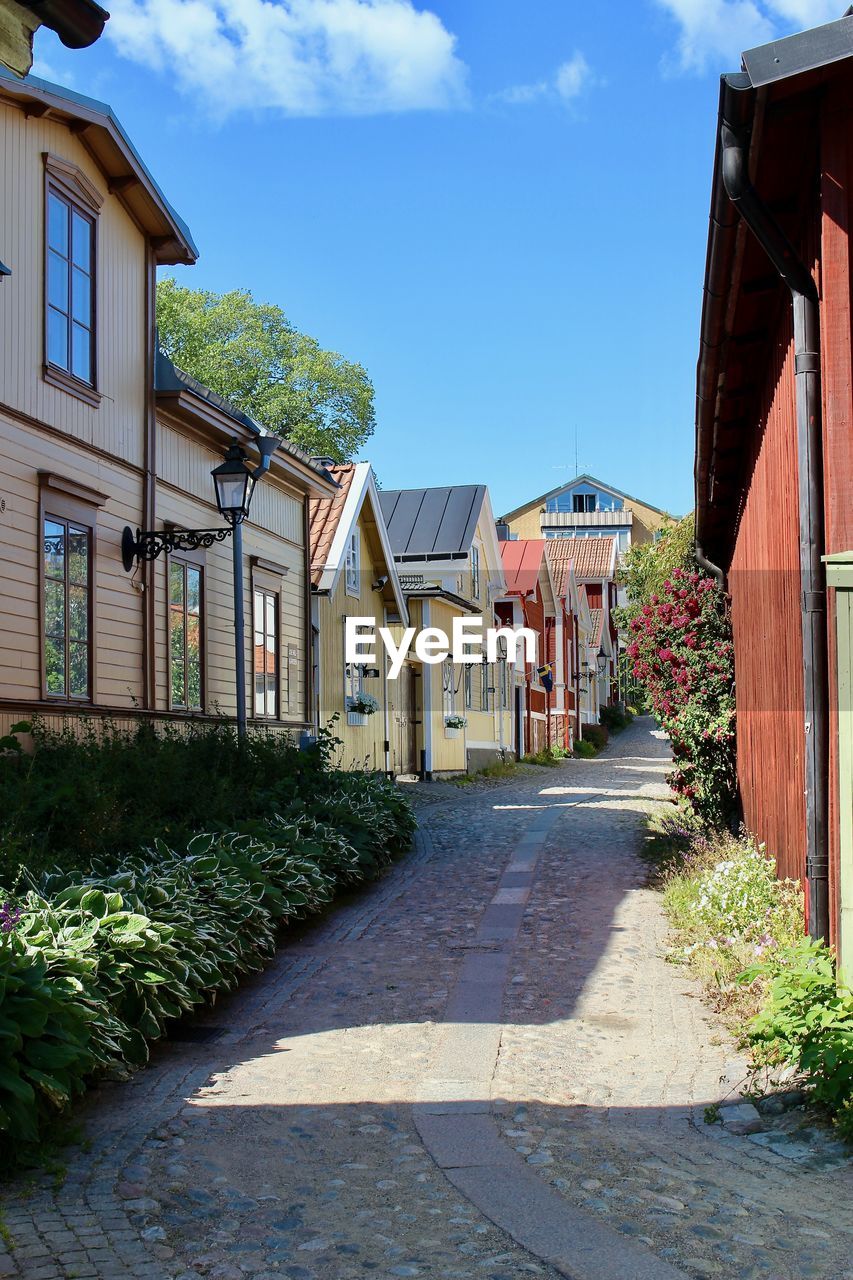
291 1141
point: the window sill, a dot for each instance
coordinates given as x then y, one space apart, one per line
65 382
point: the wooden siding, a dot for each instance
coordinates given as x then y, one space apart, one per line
116 424
360 744
764 581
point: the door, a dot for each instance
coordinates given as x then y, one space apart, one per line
403 721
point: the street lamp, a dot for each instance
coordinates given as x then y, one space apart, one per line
234 483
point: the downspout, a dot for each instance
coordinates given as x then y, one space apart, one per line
804 298
709 566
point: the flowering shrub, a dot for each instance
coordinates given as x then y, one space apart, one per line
682 653
455 722
740 898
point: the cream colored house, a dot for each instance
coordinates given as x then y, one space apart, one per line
448 558
587 508
353 576
99 432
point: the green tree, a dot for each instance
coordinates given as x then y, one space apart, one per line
648 565
251 354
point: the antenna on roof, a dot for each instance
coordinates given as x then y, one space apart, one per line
576 449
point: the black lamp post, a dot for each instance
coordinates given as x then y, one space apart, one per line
234 483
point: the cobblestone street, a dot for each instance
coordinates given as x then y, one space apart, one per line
481 1068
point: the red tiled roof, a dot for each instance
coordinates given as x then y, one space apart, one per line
522 559
324 515
593 559
597 616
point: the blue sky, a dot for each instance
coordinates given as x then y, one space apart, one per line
499 209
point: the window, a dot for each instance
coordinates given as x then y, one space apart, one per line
185 682
583 502
469 687
266 654
475 572
448 687
353 564
69 287
486 674
504 684
353 682
67 608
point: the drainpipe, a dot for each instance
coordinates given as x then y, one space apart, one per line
709 566
804 297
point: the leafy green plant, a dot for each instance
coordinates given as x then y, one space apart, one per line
806 1022
597 734
615 719
584 750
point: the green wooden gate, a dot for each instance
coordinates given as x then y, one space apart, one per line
839 574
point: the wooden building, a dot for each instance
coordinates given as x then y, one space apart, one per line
587 508
593 562
449 561
353 576
774 445
99 432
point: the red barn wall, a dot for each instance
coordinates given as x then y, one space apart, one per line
764 581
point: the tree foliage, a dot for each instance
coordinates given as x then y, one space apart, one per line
649 564
250 353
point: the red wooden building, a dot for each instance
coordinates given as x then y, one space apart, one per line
546 714
774 432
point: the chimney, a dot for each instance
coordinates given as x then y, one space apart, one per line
502 529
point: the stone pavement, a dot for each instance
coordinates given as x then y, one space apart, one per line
481 1068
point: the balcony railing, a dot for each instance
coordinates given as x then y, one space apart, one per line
585 519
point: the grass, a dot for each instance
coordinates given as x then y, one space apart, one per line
491 772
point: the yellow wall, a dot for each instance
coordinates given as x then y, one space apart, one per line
360 743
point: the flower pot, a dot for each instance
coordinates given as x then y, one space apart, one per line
356 717
451 733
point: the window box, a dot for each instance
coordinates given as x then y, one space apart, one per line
357 718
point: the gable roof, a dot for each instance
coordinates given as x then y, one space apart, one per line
582 479
331 520
432 522
116 155
593 559
522 560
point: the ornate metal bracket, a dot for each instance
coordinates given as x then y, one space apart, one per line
149 544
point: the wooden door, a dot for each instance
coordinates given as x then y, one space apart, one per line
403 718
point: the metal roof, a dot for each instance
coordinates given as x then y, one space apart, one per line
522 560
434 522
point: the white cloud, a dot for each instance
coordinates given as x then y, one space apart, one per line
570 80
302 57
714 33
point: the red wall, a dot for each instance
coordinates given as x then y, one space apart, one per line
764 581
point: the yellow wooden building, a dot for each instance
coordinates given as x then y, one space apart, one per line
353 576
448 558
99 431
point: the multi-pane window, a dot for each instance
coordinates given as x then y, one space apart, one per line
583 501
266 653
185 587
353 681
448 687
485 681
67 608
475 572
469 682
69 331
352 564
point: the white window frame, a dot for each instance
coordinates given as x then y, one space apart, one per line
475 571
353 682
448 687
353 564
485 681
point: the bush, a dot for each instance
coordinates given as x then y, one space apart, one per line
615 719
101 948
806 1023
682 654
78 801
584 750
96 967
596 734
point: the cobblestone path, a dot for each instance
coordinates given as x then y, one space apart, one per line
480 1069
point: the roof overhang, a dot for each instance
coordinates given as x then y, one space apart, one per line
774 103
127 177
78 23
